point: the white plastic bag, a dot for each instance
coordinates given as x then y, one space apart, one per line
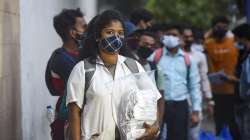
135 101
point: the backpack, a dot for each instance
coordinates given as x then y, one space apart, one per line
89 72
48 75
159 53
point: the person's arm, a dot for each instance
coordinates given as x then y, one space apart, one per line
205 85
74 121
160 109
195 94
194 87
75 100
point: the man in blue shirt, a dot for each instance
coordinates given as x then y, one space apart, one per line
242 35
181 82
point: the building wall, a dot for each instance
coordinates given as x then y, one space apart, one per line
10 101
38 40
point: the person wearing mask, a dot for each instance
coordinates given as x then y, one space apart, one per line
141 18
242 34
91 110
201 61
70 25
147 42
222 60
181 79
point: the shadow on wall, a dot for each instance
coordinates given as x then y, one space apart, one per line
10 100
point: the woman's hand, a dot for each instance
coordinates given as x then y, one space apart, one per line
151 132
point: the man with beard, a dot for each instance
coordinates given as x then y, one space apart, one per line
201 61
222 58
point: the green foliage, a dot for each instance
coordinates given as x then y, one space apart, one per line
197 12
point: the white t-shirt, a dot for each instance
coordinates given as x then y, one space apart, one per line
201 61
98 117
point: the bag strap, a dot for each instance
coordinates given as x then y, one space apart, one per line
188 64
90 69
153 66
158 55
89 72
131 64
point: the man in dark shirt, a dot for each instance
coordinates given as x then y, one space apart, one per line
70 26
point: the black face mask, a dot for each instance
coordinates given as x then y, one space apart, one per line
133 43
188 43
144 52
79 39
219 33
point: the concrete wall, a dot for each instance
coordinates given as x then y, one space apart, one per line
38 40
10 101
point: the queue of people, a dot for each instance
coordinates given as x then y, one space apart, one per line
196 72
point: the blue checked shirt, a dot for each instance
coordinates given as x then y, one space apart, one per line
174 70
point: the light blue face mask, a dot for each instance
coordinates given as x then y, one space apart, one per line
239 46
111 44
170 41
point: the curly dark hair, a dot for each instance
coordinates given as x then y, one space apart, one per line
96 25
65 21
140 14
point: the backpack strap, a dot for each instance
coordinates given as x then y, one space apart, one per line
187 59
153 66
158 55
89 72
188 64
131 64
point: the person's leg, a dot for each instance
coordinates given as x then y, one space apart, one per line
163 132
170 115
177 125
229 117
218 113
246 125
224 114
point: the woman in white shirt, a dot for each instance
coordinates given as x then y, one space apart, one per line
91 113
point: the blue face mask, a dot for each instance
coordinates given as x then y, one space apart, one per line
111 44
239 46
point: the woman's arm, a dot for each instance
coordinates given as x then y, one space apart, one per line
160 109
74 121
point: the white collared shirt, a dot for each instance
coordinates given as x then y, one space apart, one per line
97 117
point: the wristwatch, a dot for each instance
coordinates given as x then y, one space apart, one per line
211 102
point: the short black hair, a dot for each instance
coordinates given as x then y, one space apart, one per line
66 20
218 19
140 14
158 27
175 26
147 33
242 31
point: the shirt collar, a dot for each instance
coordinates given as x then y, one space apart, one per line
120 60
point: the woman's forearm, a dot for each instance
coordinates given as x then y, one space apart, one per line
74 121
160 110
